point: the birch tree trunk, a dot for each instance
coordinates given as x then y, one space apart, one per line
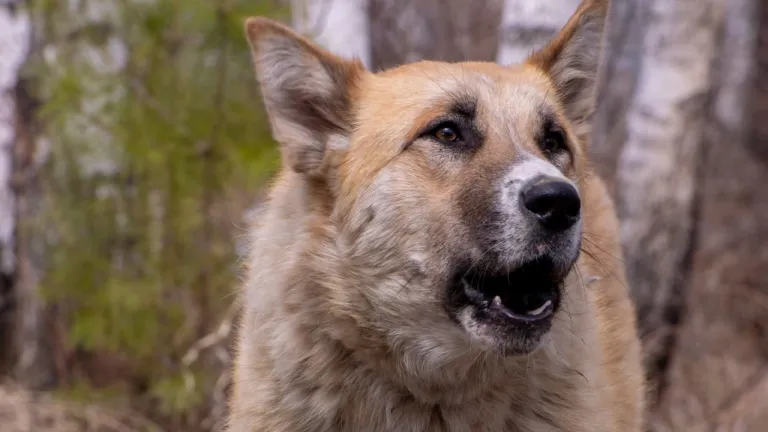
528 25
657 167
718 374
20 310
12 53
341 26
32 348
13 40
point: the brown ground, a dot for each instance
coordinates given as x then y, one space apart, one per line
24 411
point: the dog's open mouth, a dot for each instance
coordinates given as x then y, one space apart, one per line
528 294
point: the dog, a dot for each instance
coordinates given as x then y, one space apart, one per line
436 253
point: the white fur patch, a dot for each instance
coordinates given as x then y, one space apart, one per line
532 167
518 244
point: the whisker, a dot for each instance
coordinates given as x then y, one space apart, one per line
585 237
603 267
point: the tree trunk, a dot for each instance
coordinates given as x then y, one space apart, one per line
528 25
34 360
21 313
13 29
758 97
341 26
622 58
657 167
404 31
718 375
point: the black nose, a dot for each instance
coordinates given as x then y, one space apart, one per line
555 203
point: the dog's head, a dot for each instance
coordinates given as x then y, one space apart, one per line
465 176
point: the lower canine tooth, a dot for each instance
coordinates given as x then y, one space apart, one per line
539 309
496 301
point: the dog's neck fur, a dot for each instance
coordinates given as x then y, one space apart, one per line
303 331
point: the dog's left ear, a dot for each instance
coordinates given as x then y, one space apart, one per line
308 93
571 62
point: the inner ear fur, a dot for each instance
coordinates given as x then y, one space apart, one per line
307 91
571 61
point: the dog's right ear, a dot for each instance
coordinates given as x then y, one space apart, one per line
308 93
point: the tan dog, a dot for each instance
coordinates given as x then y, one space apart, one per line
436 254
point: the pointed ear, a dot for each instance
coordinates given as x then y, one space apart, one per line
307 91
571 62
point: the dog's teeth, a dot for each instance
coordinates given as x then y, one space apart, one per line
496 301
539 309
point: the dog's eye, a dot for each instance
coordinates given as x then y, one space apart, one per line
553 142
447 133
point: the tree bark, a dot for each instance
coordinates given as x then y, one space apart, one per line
14 38
622 58
404 31
34 360
758 97
528 25
659 163
341 26
718 375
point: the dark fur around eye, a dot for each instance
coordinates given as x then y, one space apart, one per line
552 139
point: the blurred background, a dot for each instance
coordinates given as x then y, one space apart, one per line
133 144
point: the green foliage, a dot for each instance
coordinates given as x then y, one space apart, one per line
80 392
158 141
177 393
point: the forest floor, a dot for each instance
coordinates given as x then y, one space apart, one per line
25 411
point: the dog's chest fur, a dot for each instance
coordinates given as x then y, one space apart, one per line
372 406
314 385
